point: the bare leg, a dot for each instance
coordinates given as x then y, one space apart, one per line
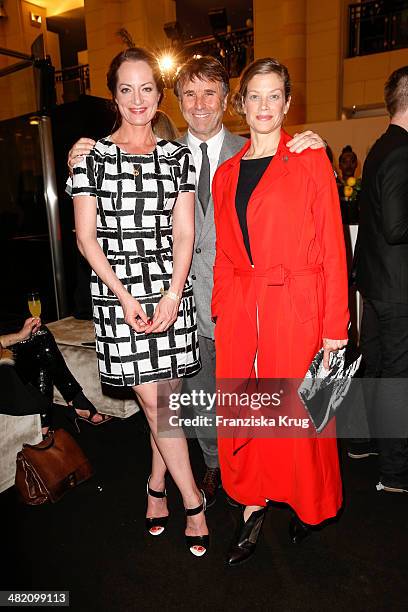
174 452
249 510
157 506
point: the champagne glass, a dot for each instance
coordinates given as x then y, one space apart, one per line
34 304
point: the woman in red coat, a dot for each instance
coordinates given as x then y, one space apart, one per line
280 294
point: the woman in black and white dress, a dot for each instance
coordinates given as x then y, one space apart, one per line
134 218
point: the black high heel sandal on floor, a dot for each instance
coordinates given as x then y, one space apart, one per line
198 545
156 526
81 402
246 538
298 531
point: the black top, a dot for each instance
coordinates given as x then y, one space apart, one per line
381 254
250 173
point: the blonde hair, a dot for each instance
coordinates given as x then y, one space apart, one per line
164 127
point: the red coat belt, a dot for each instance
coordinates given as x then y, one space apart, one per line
278 275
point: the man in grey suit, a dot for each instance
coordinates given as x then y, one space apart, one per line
202 88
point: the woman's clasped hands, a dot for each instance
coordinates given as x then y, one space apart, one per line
165 315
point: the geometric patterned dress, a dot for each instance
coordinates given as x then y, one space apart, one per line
135 195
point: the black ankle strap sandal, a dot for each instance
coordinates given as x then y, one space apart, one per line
155 526
198 545
153 493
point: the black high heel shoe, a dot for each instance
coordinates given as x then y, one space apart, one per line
246 538
81 402
198 545
155 526
298 531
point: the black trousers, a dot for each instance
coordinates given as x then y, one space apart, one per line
38 362
18 398
384 345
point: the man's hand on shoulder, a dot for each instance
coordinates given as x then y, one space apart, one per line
82 147
305 140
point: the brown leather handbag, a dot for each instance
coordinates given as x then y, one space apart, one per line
46 471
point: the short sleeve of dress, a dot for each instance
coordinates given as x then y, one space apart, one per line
188 173
83 178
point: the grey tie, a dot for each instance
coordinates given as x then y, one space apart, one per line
204 180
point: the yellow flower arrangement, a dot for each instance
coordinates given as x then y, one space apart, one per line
352 188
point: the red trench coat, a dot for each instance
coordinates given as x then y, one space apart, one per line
279 310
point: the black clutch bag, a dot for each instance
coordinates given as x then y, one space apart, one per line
323 391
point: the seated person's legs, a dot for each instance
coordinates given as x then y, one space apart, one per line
40 362
18 398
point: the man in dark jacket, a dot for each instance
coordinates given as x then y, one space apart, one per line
381 265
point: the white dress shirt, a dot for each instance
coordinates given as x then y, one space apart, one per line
214 145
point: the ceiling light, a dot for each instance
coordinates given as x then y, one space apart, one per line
35 20
167 63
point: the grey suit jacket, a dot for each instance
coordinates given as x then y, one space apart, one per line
204 245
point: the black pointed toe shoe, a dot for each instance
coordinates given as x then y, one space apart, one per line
244 544
298 531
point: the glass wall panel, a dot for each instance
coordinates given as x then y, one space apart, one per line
24 239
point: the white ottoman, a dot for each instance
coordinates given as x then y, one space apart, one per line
70 334
14 432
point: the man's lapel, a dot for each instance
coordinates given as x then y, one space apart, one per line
227 151
198 211
204 224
